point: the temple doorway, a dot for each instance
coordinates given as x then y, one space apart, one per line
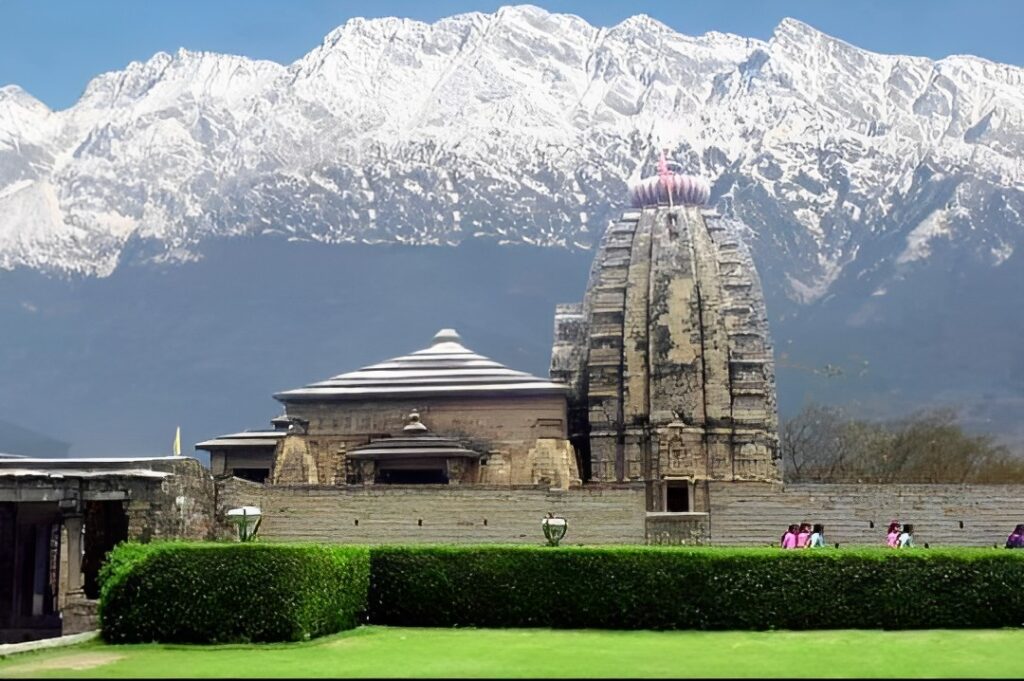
412 476
29 571
106 525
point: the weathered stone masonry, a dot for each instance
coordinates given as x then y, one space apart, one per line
58 518
439 513
668 359
949 515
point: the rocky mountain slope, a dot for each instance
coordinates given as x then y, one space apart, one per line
883 193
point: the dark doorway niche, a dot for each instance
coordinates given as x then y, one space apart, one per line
677 497
412 476
105 525
252 474
29 571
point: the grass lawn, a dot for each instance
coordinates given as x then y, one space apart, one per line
407 652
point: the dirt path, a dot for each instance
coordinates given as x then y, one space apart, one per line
79 661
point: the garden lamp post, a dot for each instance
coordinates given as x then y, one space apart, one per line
248 519
554 529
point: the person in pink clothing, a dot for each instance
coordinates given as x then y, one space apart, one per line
892 539
803 537
789 538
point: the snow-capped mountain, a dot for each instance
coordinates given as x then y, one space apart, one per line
884 194
525 126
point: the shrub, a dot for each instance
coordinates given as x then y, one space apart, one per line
711 588
215 593
210 593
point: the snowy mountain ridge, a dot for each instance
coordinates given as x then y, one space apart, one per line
525 126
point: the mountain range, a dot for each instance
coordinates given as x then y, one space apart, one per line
882 196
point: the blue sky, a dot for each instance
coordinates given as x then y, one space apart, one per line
53 48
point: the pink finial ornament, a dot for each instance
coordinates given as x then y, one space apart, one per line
670 187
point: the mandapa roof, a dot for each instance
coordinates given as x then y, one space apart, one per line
423 446
248 438
417 443
445 368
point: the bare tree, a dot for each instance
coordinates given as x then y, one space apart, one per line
822 444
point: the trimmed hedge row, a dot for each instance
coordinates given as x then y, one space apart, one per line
212 593
677 588
216 593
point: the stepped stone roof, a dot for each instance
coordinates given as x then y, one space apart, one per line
446 367
417 443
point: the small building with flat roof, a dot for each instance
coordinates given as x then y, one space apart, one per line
60 517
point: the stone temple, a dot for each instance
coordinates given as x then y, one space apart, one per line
442 415
668 358
662 377
657 425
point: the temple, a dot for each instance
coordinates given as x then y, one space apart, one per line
440 415
657 425
668 359
662 377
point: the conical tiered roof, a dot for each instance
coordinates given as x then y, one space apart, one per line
445 368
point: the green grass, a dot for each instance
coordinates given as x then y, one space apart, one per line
407 652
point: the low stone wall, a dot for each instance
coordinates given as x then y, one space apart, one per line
180 507
741 514
683 529
79 614
957 515
438 514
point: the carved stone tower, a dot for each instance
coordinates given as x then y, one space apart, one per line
668 359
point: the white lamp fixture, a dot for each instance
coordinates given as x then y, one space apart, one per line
248 519
554 529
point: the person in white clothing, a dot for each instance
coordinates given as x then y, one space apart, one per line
906 539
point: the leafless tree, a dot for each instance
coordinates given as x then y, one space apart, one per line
822 444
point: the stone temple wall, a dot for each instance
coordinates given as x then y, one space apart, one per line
511 431
437 514
953 515
741 513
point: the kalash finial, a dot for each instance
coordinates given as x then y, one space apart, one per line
670 187
446 336
414 424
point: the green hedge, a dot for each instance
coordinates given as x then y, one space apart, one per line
678 588
216 593
209 593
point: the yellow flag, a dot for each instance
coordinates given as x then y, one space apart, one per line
177 442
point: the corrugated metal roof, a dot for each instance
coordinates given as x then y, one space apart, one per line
445 368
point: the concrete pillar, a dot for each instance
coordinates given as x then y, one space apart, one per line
73 525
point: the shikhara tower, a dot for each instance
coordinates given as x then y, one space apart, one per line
668 358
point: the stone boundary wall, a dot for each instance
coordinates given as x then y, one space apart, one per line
438 514
943 515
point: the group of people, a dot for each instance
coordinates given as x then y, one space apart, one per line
899 536
804 536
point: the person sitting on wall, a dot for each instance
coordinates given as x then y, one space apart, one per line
817 538
906 540
1016 538
803 536
789 537
892 539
